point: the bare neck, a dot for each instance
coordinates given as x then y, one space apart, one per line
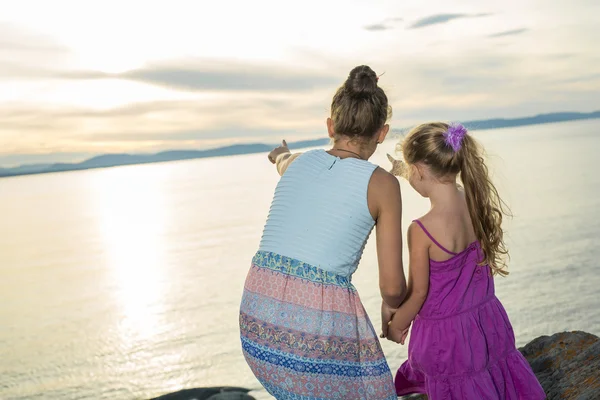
445 194
351 148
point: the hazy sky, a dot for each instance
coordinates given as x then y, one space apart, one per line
82 77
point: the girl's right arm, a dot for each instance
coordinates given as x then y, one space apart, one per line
385 203
282 157
418 284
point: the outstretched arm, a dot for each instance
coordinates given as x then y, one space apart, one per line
282 157
418 284
398 167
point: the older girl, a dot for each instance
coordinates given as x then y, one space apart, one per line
305 333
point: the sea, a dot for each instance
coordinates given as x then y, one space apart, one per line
125 283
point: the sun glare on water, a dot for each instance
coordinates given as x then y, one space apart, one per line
131 217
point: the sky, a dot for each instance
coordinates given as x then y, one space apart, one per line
79 78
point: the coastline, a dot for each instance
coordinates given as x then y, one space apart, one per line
116 160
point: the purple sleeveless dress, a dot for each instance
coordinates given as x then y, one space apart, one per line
462 345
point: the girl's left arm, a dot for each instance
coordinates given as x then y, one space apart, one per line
418 283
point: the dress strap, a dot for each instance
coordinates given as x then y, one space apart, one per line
433 239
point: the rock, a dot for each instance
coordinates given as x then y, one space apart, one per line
566 364
210 393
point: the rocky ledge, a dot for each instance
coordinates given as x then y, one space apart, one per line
210 393
566 364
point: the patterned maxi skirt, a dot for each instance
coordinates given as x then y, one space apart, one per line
305 334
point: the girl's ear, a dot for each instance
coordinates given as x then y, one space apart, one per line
383 133
418 171
330 130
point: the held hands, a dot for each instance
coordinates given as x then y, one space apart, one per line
387 313
389 330
398 167
277 151
397 335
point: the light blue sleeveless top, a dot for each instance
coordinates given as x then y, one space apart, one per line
319 214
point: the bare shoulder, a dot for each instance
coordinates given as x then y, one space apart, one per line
383 192
415 231
428 221
384 182
418 241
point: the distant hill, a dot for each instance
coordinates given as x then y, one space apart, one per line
538 119
113 160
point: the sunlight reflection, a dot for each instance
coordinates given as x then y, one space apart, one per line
131 216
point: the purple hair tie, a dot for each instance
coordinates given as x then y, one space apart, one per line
454 136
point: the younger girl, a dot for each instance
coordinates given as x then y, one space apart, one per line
462 344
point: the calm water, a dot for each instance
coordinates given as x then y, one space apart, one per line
124 283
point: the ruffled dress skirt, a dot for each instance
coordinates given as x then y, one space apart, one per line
470 355
305 334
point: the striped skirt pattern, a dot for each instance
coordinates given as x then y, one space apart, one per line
306 336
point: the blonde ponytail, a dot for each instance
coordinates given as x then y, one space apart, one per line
486 208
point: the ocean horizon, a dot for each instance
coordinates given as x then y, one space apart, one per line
120 159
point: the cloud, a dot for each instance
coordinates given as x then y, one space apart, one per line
188 136
442 87
486 84
442 19
192 76
581 79
160 125
16 39
512 32
196 76
213 102
27 54
235 79
561 56
377 27
10 71
385 25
